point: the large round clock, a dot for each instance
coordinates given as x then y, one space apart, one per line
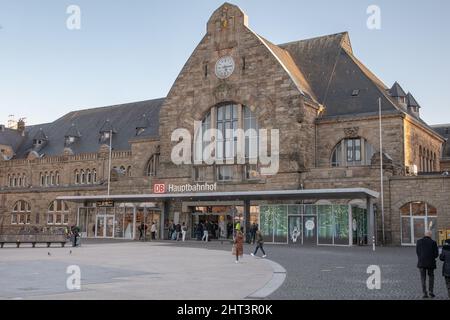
225 67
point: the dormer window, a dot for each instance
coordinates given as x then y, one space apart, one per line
39 140
139 131
106 131
142 125
71 135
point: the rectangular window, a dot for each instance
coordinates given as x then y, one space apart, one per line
65 218
58 219
225 173
50 218
14 218
200 174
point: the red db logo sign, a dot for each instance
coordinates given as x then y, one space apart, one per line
159 188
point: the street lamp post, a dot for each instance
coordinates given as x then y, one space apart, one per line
110 160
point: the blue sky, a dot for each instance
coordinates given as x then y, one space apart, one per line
133 50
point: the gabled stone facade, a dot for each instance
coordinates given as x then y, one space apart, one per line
274 83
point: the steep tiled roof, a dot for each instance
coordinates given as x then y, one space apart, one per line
334 74
411 102
444 131
10 137
123 118
397 91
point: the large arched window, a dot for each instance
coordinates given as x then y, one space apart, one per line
21 213
417 218
352 152
58 213
227 119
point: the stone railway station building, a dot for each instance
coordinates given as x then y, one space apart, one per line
321 98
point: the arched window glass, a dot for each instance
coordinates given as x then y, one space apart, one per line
94 176
57 178
229 118
352 152
417 218
58 213
21 213
89 177
77 177
152 166
129 171
83 177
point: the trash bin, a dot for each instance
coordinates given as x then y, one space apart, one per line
442 237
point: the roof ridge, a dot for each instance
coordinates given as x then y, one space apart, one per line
110 106
314 38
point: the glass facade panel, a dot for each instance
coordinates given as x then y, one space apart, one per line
309 230
341 226
295 230
326 230
266 223
280 224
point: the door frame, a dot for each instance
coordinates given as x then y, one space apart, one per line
104 217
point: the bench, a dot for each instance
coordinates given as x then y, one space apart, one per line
33 240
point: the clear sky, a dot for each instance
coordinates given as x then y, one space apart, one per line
133 50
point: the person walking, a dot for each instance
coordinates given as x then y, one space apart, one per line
205 233
427 253
141 230
153 230
445 257
178 231
238 248
260 244
183 231
75 235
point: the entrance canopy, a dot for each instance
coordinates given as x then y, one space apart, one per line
319 194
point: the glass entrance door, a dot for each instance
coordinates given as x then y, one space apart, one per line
104 227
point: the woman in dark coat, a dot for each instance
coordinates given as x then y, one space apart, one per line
445 256
239 245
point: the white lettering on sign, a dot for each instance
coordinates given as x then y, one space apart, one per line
161 188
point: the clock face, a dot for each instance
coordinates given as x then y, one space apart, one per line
225 67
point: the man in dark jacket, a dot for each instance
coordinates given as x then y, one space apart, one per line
427 252
445 256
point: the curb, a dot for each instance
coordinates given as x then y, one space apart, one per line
278 278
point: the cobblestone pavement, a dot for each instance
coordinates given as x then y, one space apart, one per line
340 273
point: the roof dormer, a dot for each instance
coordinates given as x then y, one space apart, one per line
413 105
142 125
398 94
40 140
107 131
72 135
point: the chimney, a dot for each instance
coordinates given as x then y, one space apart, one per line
21 126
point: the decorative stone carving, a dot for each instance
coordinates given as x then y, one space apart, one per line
223 92
351 132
